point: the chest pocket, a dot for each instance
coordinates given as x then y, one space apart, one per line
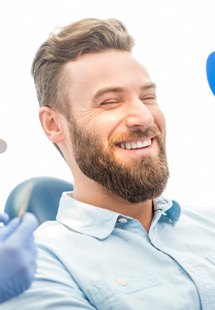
202 271
114 293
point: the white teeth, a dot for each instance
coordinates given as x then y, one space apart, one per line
139 144
128 146
147 142
135 145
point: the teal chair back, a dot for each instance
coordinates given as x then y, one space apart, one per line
40 194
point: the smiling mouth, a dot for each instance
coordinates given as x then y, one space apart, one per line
135 145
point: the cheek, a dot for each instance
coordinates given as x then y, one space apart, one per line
160 120
104 125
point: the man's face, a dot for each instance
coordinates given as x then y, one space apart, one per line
116 127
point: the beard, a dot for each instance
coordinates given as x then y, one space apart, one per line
145 178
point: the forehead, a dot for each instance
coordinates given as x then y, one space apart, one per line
90 72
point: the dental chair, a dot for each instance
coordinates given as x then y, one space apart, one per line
41 196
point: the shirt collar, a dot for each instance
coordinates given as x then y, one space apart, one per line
98 222
84 218
166 207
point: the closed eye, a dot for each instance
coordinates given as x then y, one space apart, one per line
111 101
149 100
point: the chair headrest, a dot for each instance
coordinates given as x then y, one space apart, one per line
43 199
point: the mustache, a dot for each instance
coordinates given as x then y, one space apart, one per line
148 133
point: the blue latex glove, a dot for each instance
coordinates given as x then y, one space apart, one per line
4 218
17 256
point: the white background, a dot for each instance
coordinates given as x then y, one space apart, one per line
173 39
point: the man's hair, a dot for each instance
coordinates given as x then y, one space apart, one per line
89 35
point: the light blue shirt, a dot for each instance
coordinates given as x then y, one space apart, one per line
93 258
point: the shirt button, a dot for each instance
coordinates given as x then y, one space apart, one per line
122 220
122 281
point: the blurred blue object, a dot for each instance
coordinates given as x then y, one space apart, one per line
210 70
43 200
17 256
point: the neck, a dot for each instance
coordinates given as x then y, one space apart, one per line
95 194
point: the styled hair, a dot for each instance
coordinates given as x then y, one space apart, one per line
90 35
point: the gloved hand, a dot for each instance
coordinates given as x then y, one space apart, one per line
17 256
4 218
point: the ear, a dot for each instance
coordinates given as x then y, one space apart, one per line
52 124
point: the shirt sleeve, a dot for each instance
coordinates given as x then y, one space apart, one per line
53 288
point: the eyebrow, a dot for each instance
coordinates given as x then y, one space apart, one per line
113 89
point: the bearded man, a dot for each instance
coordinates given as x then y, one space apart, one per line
117 243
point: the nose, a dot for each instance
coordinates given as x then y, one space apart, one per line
139 116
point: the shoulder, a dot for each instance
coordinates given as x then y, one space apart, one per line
198 219
200 213
57 243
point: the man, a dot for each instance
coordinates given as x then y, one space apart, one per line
116 243
17 255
